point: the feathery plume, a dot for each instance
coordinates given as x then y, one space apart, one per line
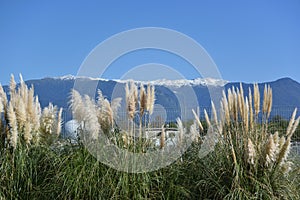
281 143
30 102
270 151
291 123
21 114
77 106
143 100
91 125
12 121
59 121
246 115
214 112
295 126
251 152
12 85
284 151
256 99
235 106
135 94
152 100
197 120
108 112
181 131
3 97
131 99
265 102
226 108
207 118
148 97
270 96
250 110
230 101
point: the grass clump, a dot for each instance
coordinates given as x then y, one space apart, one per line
26 160
248 161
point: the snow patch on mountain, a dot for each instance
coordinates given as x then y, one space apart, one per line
161 82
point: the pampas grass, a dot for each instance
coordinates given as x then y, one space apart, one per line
251 155
13 130
22 113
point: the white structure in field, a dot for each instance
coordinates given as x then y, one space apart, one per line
71 128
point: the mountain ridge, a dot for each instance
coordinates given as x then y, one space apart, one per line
286 91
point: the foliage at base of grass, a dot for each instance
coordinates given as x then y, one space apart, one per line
73 173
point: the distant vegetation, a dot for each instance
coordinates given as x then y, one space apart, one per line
236 155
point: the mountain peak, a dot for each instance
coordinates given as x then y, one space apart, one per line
161 82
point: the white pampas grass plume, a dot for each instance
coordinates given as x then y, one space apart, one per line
143 100
291 123
131 99
246 115
23 90
235 105
276 140
251 152
77 106
226 108
181 131
295 126
230 100
21 114
270 151
108 111
251 109
36 115
3 97
91 125
12 121
30 103
284 151
270 101
197 120
59 122
135 94
207 118
12 85
131 107
267 104
214 112
281 143
256 99
47 120
151 100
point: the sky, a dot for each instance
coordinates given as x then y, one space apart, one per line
249 41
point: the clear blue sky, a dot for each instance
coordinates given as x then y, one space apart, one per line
250 41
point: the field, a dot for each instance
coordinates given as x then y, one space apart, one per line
233 155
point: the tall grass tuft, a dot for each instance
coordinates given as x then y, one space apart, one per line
248 161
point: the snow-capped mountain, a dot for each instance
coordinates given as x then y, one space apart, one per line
159 82
286 92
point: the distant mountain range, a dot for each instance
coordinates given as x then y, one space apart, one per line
286 92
